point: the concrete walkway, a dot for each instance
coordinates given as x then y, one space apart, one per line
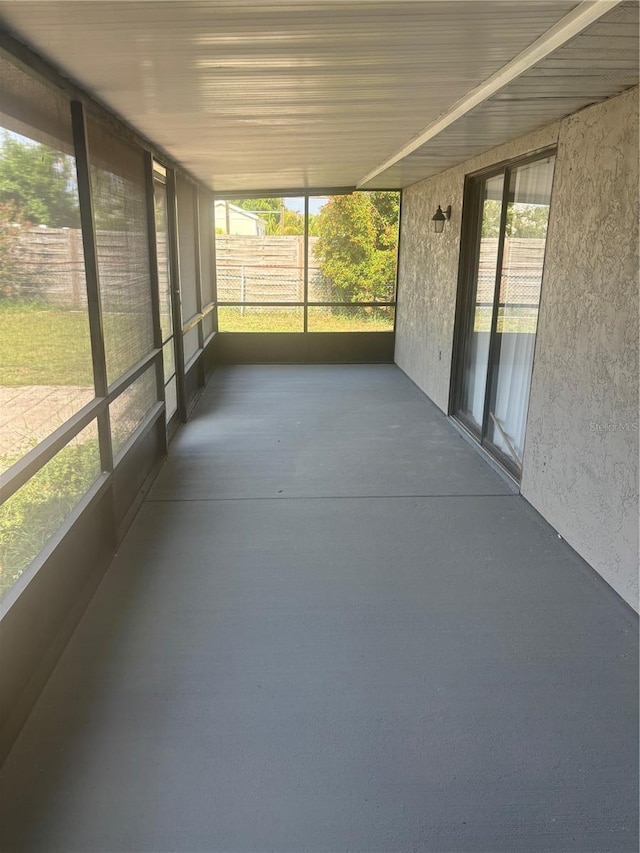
30 413
333 628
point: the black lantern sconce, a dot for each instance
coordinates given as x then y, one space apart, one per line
440 217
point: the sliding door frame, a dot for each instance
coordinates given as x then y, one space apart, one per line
466 296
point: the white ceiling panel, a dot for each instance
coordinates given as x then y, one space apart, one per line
290 95
600 62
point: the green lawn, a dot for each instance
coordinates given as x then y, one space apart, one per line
232 319
520 320
45 345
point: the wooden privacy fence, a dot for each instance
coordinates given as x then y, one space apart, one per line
48 266
262 268
522 266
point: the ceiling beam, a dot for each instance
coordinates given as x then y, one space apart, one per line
575 22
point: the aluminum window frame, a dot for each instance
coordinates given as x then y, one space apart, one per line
305 303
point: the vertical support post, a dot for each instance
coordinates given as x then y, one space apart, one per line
176 307
213 263
72 248
94 302
155 282
398 249
305 327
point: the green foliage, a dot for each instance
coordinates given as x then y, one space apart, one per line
357 245
523 220
11 228
39 182
313 225
37 510
279 219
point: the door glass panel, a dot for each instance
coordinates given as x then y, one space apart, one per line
519 299
477 349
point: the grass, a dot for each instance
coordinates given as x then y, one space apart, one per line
34 513
43 346
525 321
231 319
47 345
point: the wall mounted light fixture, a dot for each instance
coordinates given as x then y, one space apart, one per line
440 217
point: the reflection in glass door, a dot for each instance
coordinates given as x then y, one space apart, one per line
501 296
477 351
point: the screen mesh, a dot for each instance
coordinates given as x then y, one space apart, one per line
191 344
169 361
118 186
350 318
208 326
46 372
129 409
33 514
260 250
253 318
162 249
353 247
187 248
205 209
171 397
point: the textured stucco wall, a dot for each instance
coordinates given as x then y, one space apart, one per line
581 456
580 466
428 267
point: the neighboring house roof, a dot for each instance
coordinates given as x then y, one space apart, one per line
240 210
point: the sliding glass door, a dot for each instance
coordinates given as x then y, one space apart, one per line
503 259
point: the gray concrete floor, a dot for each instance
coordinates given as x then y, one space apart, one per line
333 628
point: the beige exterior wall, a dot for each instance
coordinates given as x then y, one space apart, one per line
581 456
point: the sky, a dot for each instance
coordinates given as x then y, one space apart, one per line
298 204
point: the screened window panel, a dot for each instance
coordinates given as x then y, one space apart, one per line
187 248
208 325
350 318
191 344
252 318
36 511
118 187
162 249
168 360
46 373
129 409
28 104
171 398
260 250
353 247
205 207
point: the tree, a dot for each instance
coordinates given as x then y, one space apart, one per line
523 220
12 227
278 217
357 245
39 182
